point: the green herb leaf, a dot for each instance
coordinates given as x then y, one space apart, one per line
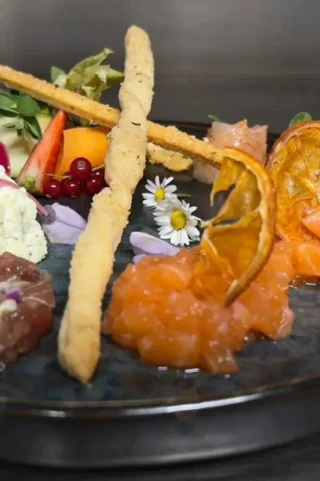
55 73
21 132
300 117
19 123
45 109
90 78
10 125
7 113
213 118
58 77
27 106
7 103
33 128
7 93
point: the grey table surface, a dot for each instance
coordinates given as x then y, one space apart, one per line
296 462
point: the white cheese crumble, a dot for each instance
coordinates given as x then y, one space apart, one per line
9 305
20 233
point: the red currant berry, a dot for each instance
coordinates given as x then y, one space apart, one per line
94 185
80 169
71 188
98 173
53 189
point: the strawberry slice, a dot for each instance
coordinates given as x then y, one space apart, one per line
43 159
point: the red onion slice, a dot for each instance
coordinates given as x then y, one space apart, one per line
13 293
4 158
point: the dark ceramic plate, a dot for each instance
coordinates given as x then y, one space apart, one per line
133 413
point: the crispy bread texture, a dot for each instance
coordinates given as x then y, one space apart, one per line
169 138
93 258
171 160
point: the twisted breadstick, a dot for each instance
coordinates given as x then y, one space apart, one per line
93 258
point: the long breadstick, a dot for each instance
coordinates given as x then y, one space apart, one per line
92 262
71 102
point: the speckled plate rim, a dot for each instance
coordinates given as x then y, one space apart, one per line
113 409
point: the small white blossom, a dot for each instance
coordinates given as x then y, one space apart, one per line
159 192
177 223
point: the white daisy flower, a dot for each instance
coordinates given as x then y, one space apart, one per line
177 223
159 192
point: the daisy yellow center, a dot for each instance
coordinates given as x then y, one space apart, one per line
178 220
160 195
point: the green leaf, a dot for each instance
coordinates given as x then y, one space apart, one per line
58 77
213 118
21 132
10 125
7 104
27 106
19 123
7 113
300 117
56 72
90 78
33 128
7 93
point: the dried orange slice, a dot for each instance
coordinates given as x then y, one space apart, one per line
294 167
238 241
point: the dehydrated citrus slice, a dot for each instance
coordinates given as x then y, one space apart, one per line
294 167
238 241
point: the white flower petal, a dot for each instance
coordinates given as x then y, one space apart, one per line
167 181
163 222
193 231
164 230
151 184
175 238
162 218
150 189
157 182
150 203
192 209
170 189
184 238
166 236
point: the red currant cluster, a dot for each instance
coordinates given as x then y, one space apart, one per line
81 179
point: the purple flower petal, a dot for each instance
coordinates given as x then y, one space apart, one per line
138 258
68 216
66 225
148 245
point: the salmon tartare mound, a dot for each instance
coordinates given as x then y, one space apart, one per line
159 310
